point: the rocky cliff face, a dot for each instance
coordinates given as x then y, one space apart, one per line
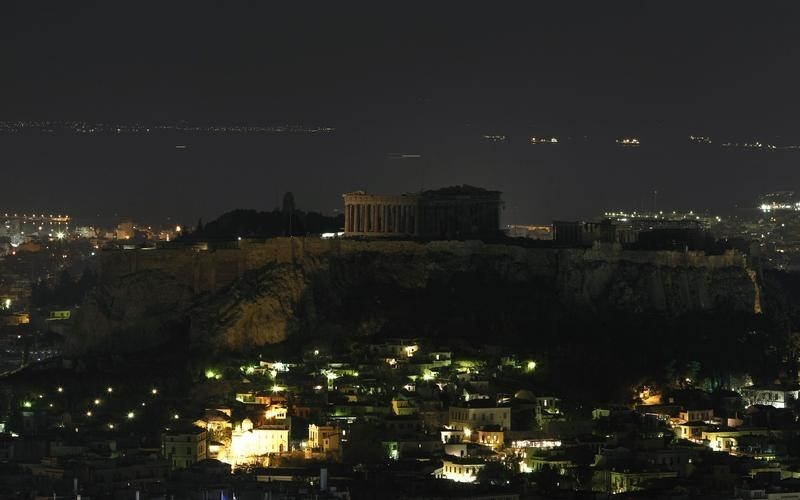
647 288
442 288
130 313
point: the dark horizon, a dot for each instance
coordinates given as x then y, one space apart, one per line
421 79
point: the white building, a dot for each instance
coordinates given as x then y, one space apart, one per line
777 396
184 447
462 470
478 413
323 437
250 445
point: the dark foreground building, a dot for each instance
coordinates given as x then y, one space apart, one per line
451 212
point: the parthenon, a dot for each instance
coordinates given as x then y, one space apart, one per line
381 215
453 212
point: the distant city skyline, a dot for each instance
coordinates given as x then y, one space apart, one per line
134 184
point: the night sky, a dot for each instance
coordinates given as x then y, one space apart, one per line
399 77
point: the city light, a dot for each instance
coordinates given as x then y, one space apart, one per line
628 141
544 140
131 415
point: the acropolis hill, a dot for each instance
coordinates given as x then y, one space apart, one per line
258 292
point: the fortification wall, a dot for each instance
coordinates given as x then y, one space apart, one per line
210 270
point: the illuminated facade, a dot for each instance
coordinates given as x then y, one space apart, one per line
479 413
777 396
452 212
324 438
251 445
184 447
374 215
461 470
